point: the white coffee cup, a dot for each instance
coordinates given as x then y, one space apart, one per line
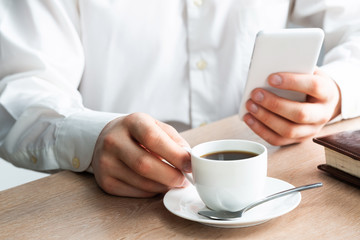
228 184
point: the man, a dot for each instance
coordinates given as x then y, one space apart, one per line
95 85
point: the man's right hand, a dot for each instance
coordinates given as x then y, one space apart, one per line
129 153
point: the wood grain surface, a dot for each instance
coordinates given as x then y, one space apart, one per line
69 205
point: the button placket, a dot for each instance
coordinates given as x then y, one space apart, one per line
199 65
198 3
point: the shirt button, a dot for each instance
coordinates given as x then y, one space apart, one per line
201 65
76 162
198 2
33 159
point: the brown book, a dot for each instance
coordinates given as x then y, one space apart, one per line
342 154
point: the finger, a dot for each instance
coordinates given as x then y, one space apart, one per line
149 166
280 125
173 134
320 72
267 134
149 134
115 187
309 84
111 184
298 112
118 170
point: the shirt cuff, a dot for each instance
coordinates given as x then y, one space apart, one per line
345 74
76 138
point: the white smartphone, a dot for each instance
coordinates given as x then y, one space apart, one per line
286 50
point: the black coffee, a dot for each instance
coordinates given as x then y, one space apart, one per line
229 155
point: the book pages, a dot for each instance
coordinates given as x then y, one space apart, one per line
342 162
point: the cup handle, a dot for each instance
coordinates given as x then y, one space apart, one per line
188 176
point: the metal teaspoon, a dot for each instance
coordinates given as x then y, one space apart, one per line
226 215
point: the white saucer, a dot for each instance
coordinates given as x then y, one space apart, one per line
185 203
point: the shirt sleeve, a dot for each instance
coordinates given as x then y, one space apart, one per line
341 23
44 125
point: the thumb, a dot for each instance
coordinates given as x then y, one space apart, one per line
173 134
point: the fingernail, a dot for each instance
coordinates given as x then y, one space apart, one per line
275 80
187 166
185 184
253 108
259 96
249 121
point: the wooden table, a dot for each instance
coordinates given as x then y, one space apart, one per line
69 205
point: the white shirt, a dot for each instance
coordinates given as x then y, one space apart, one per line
69 67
